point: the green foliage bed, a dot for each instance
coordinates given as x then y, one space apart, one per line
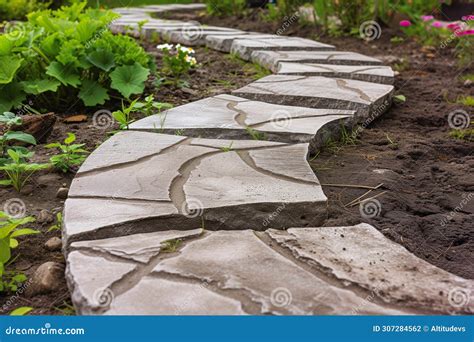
59 57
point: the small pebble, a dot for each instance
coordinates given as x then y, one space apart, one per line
44 216
48 277
62 193
53 244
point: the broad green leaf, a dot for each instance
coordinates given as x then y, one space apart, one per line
6 45
13 243
14 155
70 138
400 98
24 231
20 136
9 67
36 87
92 93
129 79
66 74
21 311
6 182
11 95
4 250
102 59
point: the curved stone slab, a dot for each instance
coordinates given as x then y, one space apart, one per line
201 276
271 59
369 99
361 255
376 74
244 47
224 43
189 181
231 117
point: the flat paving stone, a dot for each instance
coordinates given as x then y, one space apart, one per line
231 117
194 36
362 256
93 267
271 59
369 99
244 47
376 74
302 271
224 43
182 181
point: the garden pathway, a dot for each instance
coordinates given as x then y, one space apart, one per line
211 222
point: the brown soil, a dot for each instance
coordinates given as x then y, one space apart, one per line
429 172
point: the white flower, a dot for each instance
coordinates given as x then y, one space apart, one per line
191 60
188 51
165 46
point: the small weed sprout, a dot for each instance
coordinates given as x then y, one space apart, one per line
70 156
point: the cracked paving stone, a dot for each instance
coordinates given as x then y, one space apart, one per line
376 74
369 99
93 267
229 117
244 47
271 59
144 182
361 255
302 271
240 265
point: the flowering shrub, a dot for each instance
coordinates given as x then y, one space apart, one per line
177 60
441 34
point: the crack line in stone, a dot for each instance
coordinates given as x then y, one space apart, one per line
248 160
119 199
341 116
322 273
121 165
343 84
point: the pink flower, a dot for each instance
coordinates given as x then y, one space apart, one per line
427 17
468 17
453 26
437 24
465 33
405 23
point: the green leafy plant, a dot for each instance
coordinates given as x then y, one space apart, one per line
18 9
70 156
58 224
69 52
10 230
225 7
21 311
124 116
256 135
177 62
8 137
149 105
18 171
462 134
